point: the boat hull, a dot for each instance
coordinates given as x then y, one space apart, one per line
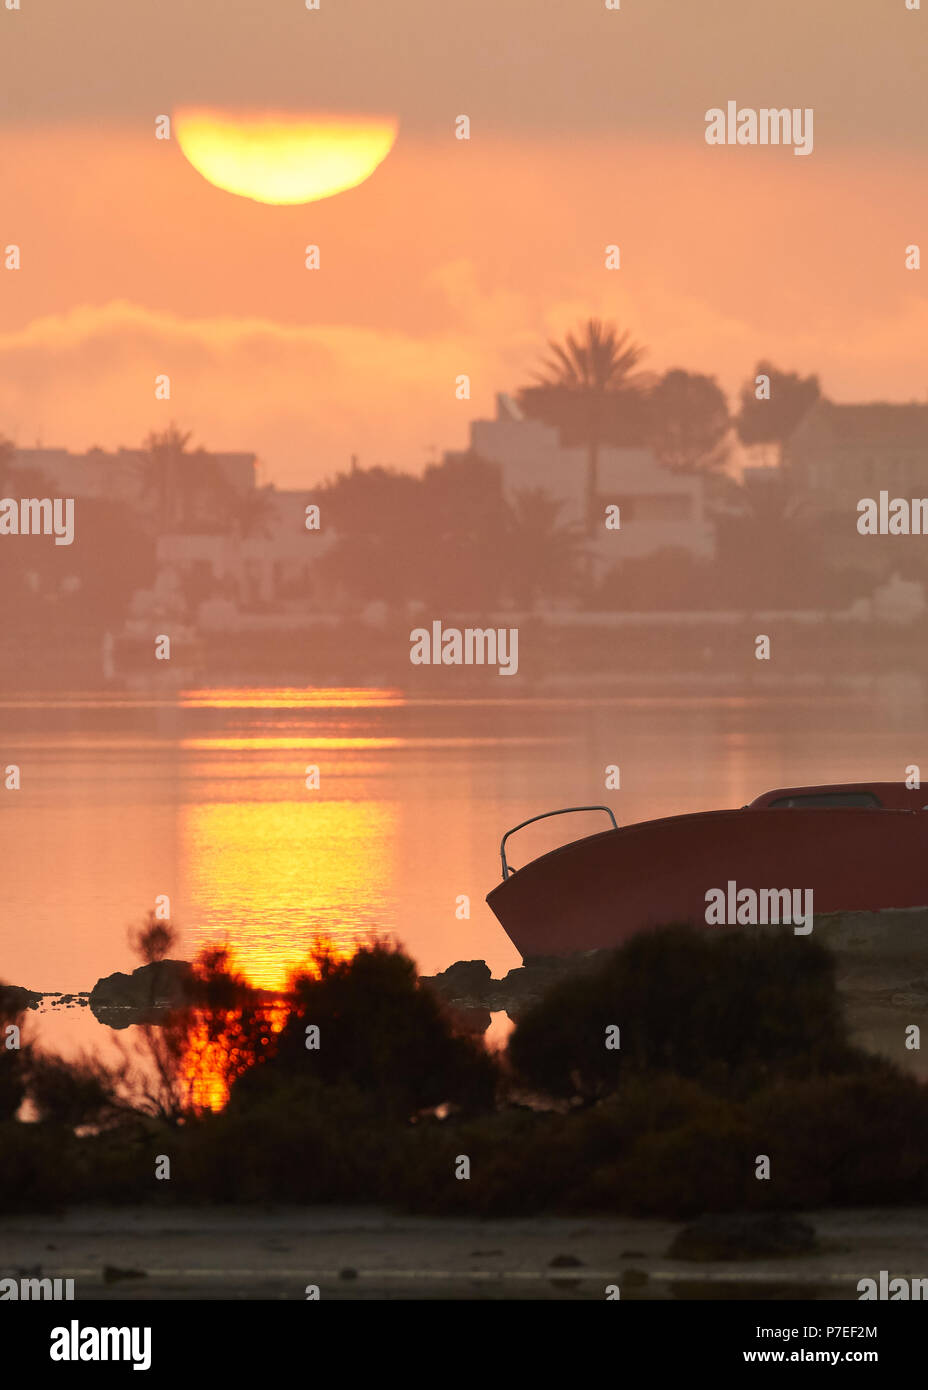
598 891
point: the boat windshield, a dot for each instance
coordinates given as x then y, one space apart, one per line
829 799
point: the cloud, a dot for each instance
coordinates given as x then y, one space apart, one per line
448 261
304 398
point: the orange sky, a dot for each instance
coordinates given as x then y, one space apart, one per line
454 257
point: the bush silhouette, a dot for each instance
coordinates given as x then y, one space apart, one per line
846 1140
296 1140
36 1175
705 1165
154 939
70 1092
732 1045
730 1010
13 1061
380 1032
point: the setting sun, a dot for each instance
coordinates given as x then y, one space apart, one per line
281 158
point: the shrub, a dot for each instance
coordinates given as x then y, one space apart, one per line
705 1165
381 1032
70 1093
845 1140
297 1140
730 1010
13 1061
35 1175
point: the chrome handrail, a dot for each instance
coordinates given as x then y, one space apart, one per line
566 811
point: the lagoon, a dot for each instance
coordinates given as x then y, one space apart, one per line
201 796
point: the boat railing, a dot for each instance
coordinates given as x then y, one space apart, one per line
565 811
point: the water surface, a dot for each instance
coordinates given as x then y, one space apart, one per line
202 796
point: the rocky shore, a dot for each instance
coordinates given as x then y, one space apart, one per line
468 984
882 976
153 990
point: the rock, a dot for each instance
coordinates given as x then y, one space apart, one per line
527 984
143 996
469 984
743 1236
112 1274
466 979
15 998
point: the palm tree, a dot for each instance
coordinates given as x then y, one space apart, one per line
188 488
585 387
163 462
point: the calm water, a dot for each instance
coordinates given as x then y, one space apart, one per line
202 796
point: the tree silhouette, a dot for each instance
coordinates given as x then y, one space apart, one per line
164 456
688 422
591 389
438 539
543 553
773 421
765 542
184 484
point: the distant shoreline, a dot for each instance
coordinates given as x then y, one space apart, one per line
568 650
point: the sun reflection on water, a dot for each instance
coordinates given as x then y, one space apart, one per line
285 873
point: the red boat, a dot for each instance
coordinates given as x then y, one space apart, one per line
857 847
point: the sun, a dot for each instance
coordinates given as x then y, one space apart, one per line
281 158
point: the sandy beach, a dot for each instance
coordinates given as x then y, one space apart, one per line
349 1252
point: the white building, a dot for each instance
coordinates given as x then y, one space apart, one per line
838 454
658 509
275 561
120 475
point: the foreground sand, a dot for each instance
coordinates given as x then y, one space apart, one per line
352 1252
